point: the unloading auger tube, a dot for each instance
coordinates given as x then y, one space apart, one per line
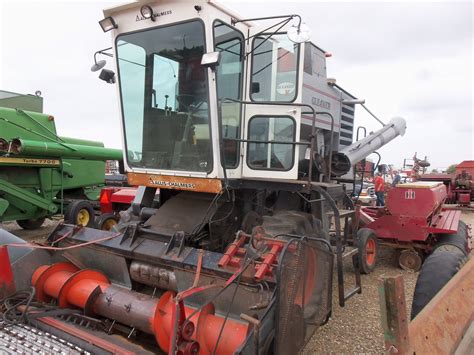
343 160
91 291
27 147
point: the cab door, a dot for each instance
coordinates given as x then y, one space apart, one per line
272 123
269 142
230 42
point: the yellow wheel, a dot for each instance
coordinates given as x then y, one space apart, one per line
80 213
107 221
83 217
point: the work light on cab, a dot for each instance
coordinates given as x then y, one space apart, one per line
108 24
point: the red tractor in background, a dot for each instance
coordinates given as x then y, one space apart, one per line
459 188
413 221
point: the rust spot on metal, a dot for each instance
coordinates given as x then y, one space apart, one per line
175 182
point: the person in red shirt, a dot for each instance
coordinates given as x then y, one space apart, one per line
379 189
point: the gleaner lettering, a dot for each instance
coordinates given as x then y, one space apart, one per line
321 103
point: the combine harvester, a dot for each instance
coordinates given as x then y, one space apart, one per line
43 174
243 134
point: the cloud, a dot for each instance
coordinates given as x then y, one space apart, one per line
406 58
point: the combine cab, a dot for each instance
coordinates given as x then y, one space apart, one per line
240 130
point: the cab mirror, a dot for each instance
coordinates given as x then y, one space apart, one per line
108 76
211 60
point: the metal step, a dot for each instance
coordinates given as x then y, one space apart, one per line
352 252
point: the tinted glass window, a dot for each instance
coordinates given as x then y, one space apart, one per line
229 43
165 98
273 156
274 69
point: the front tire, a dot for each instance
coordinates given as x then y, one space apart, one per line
107 221
368 250
31 224
436 271
80 213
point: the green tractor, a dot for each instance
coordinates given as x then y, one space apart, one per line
43 174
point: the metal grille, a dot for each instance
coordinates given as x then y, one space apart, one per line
23 339
304 292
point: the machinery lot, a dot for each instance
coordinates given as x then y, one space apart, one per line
241 228
355 328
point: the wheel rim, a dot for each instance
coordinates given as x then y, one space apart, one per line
109 224
410 260
370 250
83 217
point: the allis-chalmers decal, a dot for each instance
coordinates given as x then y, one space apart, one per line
155 15
172 184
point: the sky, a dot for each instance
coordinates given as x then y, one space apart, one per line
412 59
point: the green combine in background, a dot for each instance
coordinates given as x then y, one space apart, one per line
43 174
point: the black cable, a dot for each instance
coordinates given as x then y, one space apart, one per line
211 221
201 224
228 312
244 267
11 315
9 306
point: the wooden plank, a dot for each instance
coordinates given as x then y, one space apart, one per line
440 326
394 315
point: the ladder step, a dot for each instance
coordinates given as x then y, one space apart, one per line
343 213
352 252
352 292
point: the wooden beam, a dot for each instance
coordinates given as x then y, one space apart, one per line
394 314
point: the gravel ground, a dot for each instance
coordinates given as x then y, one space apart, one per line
38 235
356 328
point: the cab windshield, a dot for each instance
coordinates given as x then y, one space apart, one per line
164 95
